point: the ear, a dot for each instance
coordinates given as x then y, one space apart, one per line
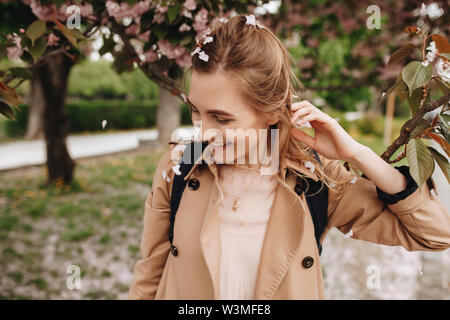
271 121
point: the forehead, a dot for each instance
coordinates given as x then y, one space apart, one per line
214 90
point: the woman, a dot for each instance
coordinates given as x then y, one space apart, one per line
241 234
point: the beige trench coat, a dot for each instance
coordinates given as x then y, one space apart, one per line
419 222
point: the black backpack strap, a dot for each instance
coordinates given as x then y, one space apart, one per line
317 202
190 155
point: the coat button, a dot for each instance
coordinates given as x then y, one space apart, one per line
298 189
308 262
174 250
193 184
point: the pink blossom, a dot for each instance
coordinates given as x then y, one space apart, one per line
190 5
14 52
119 11
43 12
22 30
159 17
141 7
201 20
52 40
169 51
185 60
161 9
144 36
184 27
133 29
151 56
187 14
86 10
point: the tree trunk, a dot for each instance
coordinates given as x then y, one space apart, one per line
54 77
35 125
168 116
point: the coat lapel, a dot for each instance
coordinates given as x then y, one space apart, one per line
282 239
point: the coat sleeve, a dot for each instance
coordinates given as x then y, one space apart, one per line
155 245
412 218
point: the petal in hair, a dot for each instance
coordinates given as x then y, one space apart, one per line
196 51
310 165
250 20
207 40
202 55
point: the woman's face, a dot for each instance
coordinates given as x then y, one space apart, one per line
224 119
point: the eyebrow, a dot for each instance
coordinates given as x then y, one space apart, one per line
214 111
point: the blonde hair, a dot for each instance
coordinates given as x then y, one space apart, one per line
258 61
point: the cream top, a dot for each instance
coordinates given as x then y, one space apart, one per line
242 231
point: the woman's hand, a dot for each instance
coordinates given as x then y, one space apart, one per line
330 140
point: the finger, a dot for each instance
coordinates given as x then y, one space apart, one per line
312 117
303 137
300 113
298 105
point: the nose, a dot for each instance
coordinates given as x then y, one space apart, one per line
209 133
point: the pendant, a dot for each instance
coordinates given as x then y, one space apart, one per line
235 205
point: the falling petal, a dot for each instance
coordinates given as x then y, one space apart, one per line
176 169
104 122
165 176
203 56
184 97
310 166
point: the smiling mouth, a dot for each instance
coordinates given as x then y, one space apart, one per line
220 145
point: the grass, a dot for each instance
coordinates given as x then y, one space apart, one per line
95 224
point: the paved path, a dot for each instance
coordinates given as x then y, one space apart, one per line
25 153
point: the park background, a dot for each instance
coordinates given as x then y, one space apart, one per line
95 221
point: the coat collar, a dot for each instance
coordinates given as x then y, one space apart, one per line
283 237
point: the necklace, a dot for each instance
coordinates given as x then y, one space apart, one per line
236 199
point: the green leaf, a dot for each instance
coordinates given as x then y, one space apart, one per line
414 101
173 12
416 75
39 47
421 125
444 122
420 161
36 30
442 86
161 30
7 111
441 161
187 39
